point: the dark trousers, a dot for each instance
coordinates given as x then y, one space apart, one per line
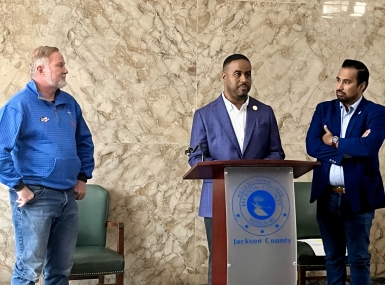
209 234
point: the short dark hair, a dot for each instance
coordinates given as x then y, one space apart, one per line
233 57
362 70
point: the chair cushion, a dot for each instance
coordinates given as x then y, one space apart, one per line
96 260
306 256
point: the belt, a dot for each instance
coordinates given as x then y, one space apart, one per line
338 189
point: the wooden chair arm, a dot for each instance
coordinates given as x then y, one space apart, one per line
119 236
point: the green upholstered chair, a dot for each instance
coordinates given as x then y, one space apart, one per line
92 259
307 227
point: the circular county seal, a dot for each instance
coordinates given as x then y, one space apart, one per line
260 205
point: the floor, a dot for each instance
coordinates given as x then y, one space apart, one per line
374 281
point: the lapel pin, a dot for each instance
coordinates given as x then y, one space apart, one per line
255 108
359 112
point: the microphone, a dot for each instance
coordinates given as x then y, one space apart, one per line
191 150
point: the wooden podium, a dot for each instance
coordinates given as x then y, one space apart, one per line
215 170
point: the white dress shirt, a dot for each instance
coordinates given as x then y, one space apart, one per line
238 119
336 175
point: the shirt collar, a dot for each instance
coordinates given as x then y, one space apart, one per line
230 106
352 107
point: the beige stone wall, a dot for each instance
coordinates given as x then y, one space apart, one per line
140 69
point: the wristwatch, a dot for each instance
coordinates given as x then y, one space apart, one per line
335 140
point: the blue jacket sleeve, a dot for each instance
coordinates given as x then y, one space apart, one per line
275 146
359 146
85 146
198 136
10 125
315 147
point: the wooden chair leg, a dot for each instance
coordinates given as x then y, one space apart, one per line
301 275
119 279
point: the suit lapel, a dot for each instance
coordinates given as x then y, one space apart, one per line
356 115
250 122
223 117
335 125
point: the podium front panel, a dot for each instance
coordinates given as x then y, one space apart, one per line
261 230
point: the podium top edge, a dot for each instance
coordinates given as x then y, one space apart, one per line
213 169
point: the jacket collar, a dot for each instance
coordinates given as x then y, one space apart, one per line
59 95
357 113
223 117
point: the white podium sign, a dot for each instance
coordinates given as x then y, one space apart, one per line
261 229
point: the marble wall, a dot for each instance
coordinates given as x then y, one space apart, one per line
140 69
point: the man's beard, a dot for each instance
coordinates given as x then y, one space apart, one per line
245 90
62 82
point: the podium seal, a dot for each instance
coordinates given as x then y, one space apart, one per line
260 205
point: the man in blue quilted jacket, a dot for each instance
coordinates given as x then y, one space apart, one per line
46 157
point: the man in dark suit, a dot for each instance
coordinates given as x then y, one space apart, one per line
234 126
345 135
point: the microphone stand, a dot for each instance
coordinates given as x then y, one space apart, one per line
191 150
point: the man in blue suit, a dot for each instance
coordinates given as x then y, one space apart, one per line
234 126
345 135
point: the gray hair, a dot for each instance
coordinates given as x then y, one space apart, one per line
40 57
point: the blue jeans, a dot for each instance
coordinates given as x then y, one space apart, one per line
343 229
45 235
